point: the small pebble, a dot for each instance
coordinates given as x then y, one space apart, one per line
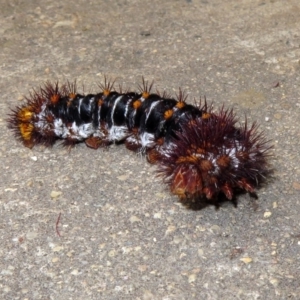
246 260
55 194
192 278
134 219
267 214
31 235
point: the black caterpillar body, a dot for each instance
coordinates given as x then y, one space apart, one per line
201 154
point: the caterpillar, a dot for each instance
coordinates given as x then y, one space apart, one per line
202 155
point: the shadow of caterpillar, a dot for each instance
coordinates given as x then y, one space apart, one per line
203 156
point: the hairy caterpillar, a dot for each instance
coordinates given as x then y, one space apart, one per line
202 155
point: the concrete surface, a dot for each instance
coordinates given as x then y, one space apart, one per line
123 235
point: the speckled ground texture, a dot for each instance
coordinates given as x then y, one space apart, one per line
123 235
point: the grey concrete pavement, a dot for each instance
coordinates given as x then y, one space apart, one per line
123 235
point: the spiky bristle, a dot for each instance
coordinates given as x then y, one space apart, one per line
211 155
34 114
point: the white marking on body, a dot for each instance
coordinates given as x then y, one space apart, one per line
99 133
99 113
153 104
147 140
126 107
133 140
79 105
134 113
118 133
74 131
232 154
114 107
82 131
213 159
42 124
60 129
167 148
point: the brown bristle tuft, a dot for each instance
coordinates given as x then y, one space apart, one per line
226 158
145 88
223 161
107 87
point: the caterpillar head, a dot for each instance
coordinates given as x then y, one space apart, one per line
210 156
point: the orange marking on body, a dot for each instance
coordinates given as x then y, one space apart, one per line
25 114
200 151
206 165
206 115
26 131
54 98
168 114
137 103
223 161
100 102
180 104
72 96
145 94
106 92
189 159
